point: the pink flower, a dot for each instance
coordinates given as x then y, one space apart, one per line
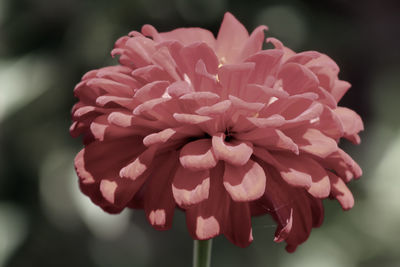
219 128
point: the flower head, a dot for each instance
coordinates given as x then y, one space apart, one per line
218 128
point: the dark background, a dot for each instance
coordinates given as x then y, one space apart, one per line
47 45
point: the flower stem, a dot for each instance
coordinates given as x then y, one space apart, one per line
202 253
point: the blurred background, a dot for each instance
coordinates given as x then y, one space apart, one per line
47 45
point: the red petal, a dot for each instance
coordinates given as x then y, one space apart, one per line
142 163
159 203
206 219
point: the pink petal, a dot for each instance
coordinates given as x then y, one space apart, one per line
152 73
207 228
199 51
267 64
191 118
120 191
111 87
190 187
304 172
235 152
297 78
254 43
120 74
107 189
120 119
313 141
304 57
108 100
179 88
242 105
159 110
216 109
84 175
203 80
261 93
151 90
195 100
341 192
330 124
139 51
288 166
232 37
102 130
163 59
244 183
186 36
287 53
234 78
198 155
159 138
343 165
245 124
269 138
351 122
339 89
292 107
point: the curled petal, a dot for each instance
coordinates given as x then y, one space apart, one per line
191 118
151 90
351 122
245 183
235 153
216 109
198 155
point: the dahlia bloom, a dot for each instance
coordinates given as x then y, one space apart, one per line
218 128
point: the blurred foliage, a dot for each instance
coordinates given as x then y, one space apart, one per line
47 45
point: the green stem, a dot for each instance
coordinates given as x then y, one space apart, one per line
202 253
